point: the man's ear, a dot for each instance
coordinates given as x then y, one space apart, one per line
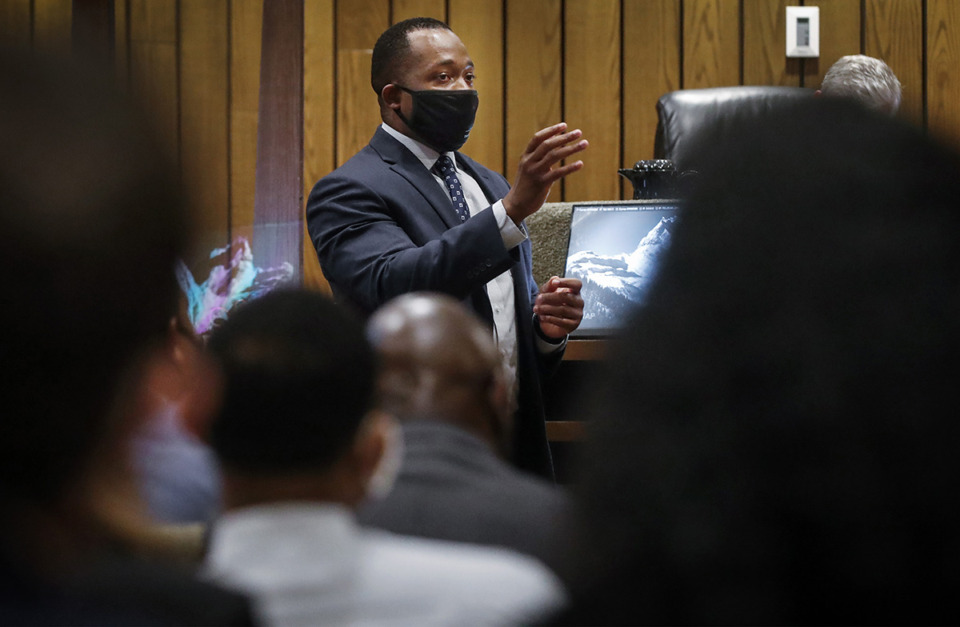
164 376
391 96
183 374
149 386
369 446
202 390
385 474
818 93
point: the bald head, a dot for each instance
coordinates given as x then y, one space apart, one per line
439 362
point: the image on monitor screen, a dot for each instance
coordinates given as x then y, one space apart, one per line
615 251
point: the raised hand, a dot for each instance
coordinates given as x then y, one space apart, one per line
539 169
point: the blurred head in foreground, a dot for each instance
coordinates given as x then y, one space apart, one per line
776 441
90 225
866 80
299 386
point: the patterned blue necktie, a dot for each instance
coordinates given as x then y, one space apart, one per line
444 168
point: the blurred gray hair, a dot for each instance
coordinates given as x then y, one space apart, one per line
865 79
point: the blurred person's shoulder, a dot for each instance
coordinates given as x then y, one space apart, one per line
481 584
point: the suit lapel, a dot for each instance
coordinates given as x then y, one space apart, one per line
409 167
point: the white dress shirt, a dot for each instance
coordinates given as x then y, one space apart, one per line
310 564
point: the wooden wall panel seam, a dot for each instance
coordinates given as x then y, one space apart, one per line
741 41
179 53
923 65
504 160
229 119
563 83
336 83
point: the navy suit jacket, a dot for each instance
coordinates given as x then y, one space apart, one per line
383 227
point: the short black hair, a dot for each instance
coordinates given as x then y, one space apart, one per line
393 46
299 380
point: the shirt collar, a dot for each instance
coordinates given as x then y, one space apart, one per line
427 155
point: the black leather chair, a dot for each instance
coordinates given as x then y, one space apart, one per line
682 114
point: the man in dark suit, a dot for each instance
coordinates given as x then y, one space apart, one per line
409 213
442 378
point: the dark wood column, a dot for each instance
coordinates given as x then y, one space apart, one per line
92 29
278 196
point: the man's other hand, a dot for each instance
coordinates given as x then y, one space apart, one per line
559 306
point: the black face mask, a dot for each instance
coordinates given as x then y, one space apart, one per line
442 118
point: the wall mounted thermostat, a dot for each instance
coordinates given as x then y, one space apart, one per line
803 32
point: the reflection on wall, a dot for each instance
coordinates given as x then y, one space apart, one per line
230 282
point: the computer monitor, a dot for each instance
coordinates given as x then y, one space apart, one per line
615 248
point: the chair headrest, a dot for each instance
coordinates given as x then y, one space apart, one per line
682 114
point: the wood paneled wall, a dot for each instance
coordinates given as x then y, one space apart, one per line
598 64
